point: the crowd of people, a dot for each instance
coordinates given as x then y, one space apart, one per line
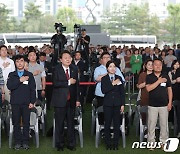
26 70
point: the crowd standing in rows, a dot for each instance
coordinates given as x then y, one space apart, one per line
154 70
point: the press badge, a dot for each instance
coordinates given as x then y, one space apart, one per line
163 84
25 82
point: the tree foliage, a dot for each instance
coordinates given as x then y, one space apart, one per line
131 20
4 25
32 12
171 25
119 20
31 20
68 18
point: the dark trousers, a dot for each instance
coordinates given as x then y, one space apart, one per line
85 56
49 90
82 90
39 95
62 113
99 101
178 116
18 112
0 99
112 113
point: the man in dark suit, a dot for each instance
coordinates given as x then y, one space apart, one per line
48 69
82 67
64 99
22 85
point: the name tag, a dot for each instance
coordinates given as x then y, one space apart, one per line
163 84
25 82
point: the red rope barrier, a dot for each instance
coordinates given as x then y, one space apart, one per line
81 83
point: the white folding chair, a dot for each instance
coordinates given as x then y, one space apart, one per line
93 115
0 127
140 127
100 126
131 107
33 125
175 105
41 110
77 126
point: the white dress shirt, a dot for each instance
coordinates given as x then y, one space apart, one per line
8 69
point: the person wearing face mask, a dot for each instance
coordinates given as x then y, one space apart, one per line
112 87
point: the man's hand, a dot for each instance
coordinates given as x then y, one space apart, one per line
169 106
43 93
3 97
115 82
137 60
178 80
24 78
98 79
78 104
72 81
31 106
36 72
6 64
162 80
122 108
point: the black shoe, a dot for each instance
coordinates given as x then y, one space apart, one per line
108 147
17 146
115 147
25 146
72 148
60 148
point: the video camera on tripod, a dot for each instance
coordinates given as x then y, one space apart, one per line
78 30
58 41
59 27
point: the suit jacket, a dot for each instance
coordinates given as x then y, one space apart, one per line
81 68
61 87
48 70
114 95
21 93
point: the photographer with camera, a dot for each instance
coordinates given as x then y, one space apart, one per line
82 42
85 40
58 41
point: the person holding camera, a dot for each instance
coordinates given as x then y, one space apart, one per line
58 41
85 40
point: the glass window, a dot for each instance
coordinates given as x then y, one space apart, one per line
47 1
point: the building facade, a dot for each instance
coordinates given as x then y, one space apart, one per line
87 10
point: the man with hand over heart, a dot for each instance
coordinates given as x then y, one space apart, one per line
22 85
